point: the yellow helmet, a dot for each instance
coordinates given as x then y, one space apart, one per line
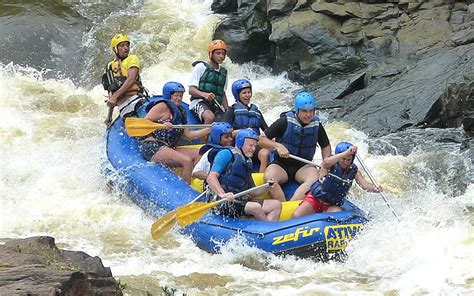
216 44
118 39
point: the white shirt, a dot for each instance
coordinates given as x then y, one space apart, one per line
197 73
203 164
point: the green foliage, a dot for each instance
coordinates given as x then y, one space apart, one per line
169 291
121 286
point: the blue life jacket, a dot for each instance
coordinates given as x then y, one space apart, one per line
335 186
247 117
300 140
238 173
215 148
168 136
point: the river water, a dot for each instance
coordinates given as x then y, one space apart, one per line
52 150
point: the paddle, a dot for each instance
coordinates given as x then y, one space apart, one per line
108 120
366 170
377 185
167 221
137 127
219 106
110 80
190 213
303 160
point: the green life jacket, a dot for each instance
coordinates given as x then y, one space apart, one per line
212 81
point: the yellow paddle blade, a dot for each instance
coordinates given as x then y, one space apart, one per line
138 127
163 225
190 213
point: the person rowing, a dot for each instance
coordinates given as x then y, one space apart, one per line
297 132
231 173
336 177
160 145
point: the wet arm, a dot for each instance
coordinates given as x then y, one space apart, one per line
364 184
191 135
213 182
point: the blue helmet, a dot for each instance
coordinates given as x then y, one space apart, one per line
245 134
171 87
305 101
342 147
217 130
239 85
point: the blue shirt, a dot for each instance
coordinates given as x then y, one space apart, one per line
221 161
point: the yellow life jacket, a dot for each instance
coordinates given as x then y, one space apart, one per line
120 69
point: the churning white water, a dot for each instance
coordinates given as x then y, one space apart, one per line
52 151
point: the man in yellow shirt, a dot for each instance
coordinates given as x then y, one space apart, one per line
122 79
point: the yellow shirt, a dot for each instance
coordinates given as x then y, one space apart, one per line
127 63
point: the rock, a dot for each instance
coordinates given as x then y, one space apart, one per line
470 12
457 17
422 36
36 266
330 90
246 34
343 11
310 46
279 7
463 34
224 6
414 53
418 97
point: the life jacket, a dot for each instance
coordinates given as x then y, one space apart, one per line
300 140
119 74
167 136
236 176
209 146
247 117
212 81
335 185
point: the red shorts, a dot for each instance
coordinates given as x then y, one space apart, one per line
318 205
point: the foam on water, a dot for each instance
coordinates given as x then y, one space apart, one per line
52 149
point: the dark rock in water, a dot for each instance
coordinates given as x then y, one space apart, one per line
417 57
224 6
247 34
430 93
42 36
35 266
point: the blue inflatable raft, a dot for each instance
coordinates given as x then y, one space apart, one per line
158 189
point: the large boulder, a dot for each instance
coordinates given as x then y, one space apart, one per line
416 57
430 93
35 266
246 34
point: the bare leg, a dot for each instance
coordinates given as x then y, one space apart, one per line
333 209
306 176
272 209
191 152
263 157
304 209
174 158
254 209
278 174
